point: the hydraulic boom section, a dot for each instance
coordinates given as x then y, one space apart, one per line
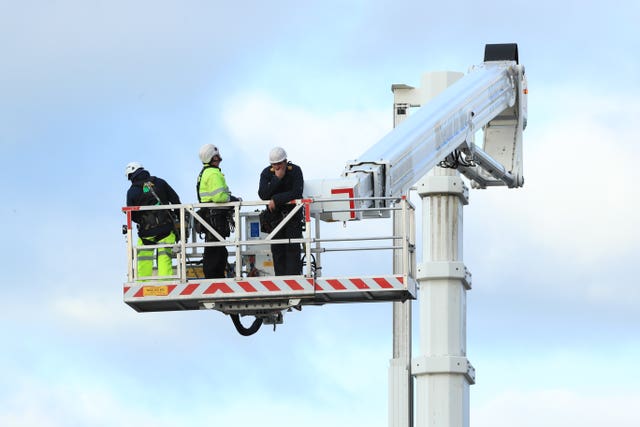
492 96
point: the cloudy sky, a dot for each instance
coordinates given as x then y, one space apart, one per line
87 86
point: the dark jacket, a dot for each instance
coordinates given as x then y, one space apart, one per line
282 190
151 223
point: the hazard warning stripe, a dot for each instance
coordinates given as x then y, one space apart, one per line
219 287
271 286
359 283
295 286
383 283
215 287
260 287
189 289
336 284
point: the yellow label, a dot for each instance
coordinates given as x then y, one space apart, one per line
155 291
267 264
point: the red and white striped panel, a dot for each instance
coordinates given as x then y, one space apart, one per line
363 284
259 287
220 288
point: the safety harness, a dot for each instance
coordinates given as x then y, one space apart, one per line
152 219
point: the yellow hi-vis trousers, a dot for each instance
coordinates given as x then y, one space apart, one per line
146 257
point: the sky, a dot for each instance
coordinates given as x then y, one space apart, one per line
88 86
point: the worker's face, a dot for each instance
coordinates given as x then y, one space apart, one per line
279 166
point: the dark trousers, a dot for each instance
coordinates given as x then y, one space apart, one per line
286 256
214 262
286 259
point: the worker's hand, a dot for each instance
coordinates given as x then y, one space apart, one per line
280 169
272 205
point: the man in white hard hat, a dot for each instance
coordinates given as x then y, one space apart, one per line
280 183
156 226
212 187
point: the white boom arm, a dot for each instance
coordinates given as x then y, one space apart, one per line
492 96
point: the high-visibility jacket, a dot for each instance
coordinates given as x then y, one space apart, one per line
212 186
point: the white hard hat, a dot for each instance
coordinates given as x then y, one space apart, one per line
131 168
277 154
207 152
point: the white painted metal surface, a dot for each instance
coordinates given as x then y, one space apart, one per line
400 379
446 123
492 97
401 393
442 371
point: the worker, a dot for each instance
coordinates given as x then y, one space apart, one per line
154 226
212 187
280 183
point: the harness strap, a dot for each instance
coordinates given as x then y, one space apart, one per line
149 186
198 182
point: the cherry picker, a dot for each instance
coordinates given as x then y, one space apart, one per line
426 151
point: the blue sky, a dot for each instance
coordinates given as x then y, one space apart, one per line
88 86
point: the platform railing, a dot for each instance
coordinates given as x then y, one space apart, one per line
188 251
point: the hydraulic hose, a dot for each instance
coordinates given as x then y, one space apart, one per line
245 332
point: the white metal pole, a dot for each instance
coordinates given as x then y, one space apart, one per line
442 372
401 395
400 380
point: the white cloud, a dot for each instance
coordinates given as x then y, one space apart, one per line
580 175
359 369
53 404
321 143
557 408
572 227
89 401
552 389
93 312
583 181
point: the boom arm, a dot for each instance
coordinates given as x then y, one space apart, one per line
492 96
